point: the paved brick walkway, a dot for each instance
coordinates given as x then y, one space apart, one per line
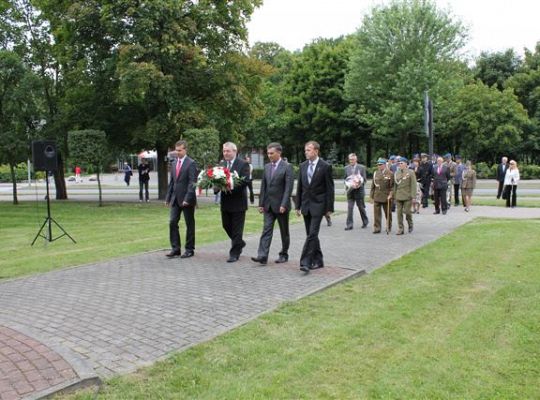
113 317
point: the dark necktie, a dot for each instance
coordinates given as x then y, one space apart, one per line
273 169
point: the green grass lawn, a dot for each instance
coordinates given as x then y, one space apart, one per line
116 229
456 319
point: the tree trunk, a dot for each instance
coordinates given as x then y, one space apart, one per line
14 180
162 170
59 180
99 187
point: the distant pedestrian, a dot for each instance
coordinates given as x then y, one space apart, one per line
423 177
501 172
403 193
440 176
250 181
355 179
458 176
511 180
468 183
144 178
128 173
77 174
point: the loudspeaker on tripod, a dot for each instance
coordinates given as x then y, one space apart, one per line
44 155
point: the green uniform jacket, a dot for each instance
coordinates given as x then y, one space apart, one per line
404 185
382 185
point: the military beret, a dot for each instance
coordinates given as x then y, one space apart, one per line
448 155
458 157
403 159
416 157
423 155
392 158
381 161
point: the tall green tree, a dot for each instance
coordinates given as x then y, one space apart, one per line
496 68
314 96
490 123
402 50
18 110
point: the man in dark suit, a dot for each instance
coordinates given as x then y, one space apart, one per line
440 176
314 199
182 199
275 203
234 203
501 173
355 175
423 176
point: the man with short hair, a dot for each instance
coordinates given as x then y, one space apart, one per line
424 177
458 178
355 178
404 192
275 203
144 178
182 200
234 203
314 199
440 177
501 173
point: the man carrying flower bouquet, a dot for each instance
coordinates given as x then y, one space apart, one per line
234 201
182 199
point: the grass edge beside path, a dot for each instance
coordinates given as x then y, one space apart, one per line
457 318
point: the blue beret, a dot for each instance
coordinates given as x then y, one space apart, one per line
458 157
403 159
448 155
381 161
392 157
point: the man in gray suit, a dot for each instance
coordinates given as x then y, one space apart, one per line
355 179
275 203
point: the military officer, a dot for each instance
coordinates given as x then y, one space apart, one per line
403 193
381 194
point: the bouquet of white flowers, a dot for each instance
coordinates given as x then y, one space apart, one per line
218 177
353 182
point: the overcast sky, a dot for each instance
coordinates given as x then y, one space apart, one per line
494 25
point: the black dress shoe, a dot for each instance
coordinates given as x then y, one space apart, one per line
364 225
261 260
187 254
348 228
444 212
317 266
282 259
304 268
437 212
173 254
232 259
410 229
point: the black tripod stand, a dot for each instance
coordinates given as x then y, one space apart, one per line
49 220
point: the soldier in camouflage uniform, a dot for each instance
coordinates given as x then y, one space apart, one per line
404 192
380 194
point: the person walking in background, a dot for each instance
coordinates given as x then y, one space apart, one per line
182 199
403 193
314 199
511 179
381 195
468 183
234 203
250 181
440 176
275 203
355 179
77 174
423 177
127 173
458 176
501 172
144 178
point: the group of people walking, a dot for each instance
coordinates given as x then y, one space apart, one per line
314 200
397 185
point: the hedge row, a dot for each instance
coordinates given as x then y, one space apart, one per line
21 173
